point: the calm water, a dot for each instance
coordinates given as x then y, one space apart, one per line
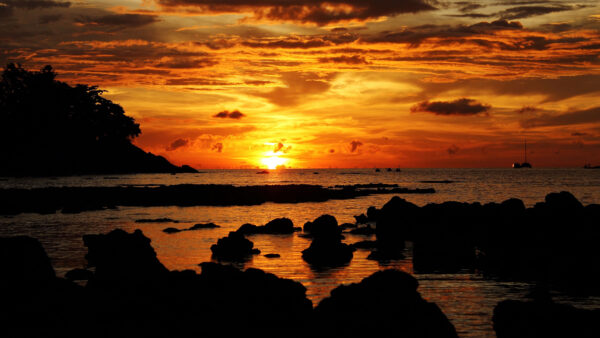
467 299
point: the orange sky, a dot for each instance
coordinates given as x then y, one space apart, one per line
415 83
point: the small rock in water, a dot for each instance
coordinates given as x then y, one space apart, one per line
272 255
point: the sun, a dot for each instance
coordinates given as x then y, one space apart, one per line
273 162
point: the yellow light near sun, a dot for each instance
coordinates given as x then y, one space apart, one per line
272 162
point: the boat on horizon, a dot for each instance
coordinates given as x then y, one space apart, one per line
589 166
525 164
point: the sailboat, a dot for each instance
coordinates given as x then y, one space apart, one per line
525 164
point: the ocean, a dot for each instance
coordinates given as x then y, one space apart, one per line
466 298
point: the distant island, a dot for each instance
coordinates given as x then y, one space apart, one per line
50 128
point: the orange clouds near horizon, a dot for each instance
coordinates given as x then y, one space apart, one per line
337 84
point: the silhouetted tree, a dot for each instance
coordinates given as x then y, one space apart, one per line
48 127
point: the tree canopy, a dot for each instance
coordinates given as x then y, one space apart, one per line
50 127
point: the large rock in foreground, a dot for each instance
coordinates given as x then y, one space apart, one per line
384 304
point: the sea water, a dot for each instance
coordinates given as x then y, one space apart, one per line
466 298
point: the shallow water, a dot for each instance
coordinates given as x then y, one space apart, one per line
467 299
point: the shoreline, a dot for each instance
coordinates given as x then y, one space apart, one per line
79 199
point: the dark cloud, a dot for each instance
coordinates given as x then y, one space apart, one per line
351 60
119 21
184 63
45 19
277 147
34 4
591 115
218 147
302 42
354 145
331 151
522 12
236 115
527 109
178 143
579 134
445 34
307 11
553 89
453 149
197 81
460 107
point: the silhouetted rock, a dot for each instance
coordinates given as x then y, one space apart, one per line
327 252
234 247
384 304
323 226
278 226
345 226
23 260
198 226
544 319
366 231
156 220
372 214
203 226
122 258
273 255
78 199
79 274
361 219
364 245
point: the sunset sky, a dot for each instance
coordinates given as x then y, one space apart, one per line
340 83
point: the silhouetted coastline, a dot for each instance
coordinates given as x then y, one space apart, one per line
129 293
78 199
50 128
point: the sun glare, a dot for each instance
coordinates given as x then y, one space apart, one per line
272 162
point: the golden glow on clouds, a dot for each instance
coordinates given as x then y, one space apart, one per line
336 92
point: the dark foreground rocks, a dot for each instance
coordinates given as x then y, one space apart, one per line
553 242
514 319
129 293
385 304
326 249
79 199
235 247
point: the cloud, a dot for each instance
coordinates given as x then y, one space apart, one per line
306 11
522 12
527 109
553 89
178 143
298 86
45 19
278 147
331 151
443 34
118 21
453 149
591 115
579 134
34 4
218 147
236 115
183 63
460 107
354 145
351 60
